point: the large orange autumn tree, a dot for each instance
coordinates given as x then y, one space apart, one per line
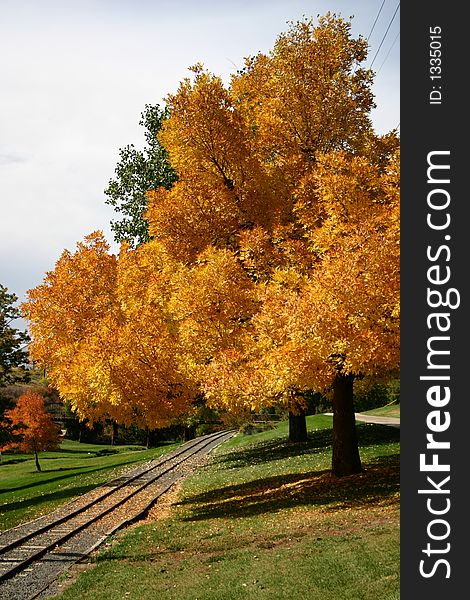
339 322
273 262
282 168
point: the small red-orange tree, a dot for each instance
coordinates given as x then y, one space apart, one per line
31 426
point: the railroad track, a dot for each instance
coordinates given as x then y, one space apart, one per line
33 554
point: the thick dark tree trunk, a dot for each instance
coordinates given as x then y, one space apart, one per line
36 458
346 459
297 426
189 433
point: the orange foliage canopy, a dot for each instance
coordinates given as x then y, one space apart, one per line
274 263
282 170
343 315
32 424
101 328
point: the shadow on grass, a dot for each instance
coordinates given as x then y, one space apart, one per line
318 441
55 479
58 495
114 449
45 481
62 455
14 461
371 434
379 482
41 481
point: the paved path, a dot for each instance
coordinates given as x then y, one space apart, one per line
392 421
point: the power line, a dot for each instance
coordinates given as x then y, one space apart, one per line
385 35
376 19
388 53
372 29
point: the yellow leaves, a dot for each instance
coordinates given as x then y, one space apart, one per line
143 278
193 215
345 196
305 96
289 278
73 298
213 300
204 131
102 328
258 254
275 257
222 186
358 295
344 314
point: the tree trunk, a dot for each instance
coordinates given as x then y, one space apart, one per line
147 440
189 433
114 433
297 426
36 458
346 459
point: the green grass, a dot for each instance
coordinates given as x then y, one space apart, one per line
69 472
266 520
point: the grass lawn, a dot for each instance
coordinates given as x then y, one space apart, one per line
391 410
266 520
66 473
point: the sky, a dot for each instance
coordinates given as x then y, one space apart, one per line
75 77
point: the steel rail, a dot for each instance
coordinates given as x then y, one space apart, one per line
191 448
123 481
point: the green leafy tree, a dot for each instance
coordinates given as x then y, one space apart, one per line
138 172
13 342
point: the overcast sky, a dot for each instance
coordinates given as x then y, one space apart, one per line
75 77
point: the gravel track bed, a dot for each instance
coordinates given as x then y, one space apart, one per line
19 531
10 535
38 580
